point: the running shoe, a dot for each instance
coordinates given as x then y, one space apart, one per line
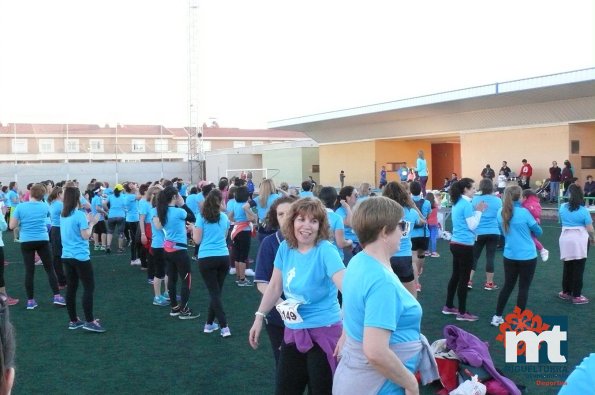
135 262
31 304
59 300
545 254
467 317
150 281
120 250
418 287
427 253
232 270
11 301
450 310
94 326
490 286
564 295
165 296
435 255
75 324
194 258
497 320
244 283
175 311
470 284
187 314
210 328
250 273
225 332
580 300
159 301
97 248
102 248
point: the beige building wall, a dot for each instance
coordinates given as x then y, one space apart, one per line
540 146
356 159
289 162
310 157
585 134
401 151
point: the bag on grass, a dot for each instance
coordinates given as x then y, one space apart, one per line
470 387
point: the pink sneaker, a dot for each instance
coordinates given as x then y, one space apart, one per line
470 284
450 310
563 295
580 300
490 286
467 317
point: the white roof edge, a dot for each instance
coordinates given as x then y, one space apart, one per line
544 81
259 149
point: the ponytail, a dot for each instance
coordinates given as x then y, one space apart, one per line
511 194
457 189
163 200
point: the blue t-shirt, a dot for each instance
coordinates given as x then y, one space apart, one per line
192 203
426 209
116 206
143 208
131 207
307 279
184 190
336 223
580 217
582 378
213 237
158 237
230 204
239 215
32 218
411 216
349 233
461 233
263 211
518 244
97 202
12 198
175 227
108 191
55 212
374 297
422 167
305 194
265 263
488 224
73 244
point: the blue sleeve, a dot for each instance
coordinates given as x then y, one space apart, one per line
380 305
427 208
17 213
280 255
332 260
200 223
339 225
265 261
82 220
587 216
468 212
3 224
533 225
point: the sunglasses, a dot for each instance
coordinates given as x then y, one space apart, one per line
405 227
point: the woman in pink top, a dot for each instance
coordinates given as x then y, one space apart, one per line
433 225
531 203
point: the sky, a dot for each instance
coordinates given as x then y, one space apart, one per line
128 61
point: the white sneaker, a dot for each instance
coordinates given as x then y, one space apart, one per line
225 332
497 320
545 254
135 262
250 273
232 270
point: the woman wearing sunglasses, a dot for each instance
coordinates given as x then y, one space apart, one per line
376 358
401 261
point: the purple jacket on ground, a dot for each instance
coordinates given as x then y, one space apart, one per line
473 351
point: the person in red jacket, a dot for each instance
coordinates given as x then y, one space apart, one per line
525 174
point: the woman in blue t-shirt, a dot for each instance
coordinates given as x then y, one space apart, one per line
115 205
75 230
346 201
172 214
465 219
131 226
422 171
309 272
243 218
55 202
382 320
210 233
520 254
267 194
577 231
31 217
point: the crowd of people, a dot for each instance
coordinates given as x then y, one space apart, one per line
337 270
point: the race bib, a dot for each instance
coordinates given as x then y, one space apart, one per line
289 312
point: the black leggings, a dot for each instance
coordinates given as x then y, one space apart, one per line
157 261
214 270
489 242
130 231
297 370
56 244
572 277
241 246
513 270
462 260
42 247
178 263
275 333
79 270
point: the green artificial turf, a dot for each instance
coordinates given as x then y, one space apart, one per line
144 351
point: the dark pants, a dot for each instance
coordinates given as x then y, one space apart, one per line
276 334
178 263
297 370
79 270
130 231
157 261
513 270
462 260
572 277
214 270
56 244
423 181
42 247
489 242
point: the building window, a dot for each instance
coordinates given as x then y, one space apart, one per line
257 143
138 145
161 145
96 145
588 162
575 147
46 146
206 146
19 146
182 147
71 145
239 144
